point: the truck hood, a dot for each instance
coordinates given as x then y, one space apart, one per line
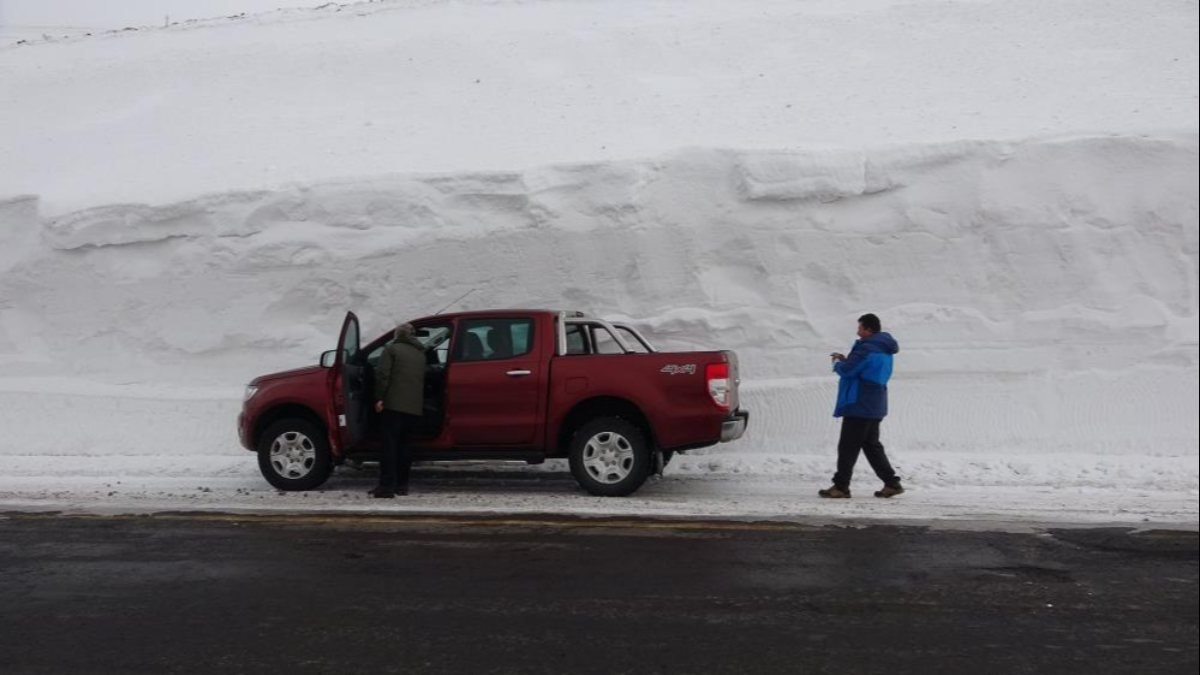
284 374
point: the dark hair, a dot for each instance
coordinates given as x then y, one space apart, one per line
870 322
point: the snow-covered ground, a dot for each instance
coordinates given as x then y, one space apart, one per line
1010 185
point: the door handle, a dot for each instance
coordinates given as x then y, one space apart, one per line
519 373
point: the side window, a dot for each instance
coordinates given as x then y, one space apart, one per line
520 337
436 339
373 355
493 339
575 340
351 342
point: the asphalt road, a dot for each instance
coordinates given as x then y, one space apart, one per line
352 594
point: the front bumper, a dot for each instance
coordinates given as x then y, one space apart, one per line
243 428
735 425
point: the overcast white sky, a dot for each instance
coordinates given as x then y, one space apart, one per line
31 18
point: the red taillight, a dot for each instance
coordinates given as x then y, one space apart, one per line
717 376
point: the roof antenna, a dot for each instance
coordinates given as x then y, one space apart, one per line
454 302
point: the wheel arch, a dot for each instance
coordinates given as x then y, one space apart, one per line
285 411
600 406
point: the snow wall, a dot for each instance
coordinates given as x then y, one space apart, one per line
1044 293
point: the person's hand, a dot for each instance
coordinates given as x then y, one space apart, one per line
378 406
837 356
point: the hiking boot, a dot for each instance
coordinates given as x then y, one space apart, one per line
889 491
835 492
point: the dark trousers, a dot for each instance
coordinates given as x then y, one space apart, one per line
860 433
396 460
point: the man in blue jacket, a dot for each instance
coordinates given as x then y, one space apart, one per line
862 405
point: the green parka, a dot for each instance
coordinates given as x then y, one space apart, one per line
400 376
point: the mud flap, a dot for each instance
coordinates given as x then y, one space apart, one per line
659 462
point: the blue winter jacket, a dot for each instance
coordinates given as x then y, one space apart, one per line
862 389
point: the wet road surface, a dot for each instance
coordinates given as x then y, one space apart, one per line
180 593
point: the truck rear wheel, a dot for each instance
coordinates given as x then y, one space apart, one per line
610 457
293 454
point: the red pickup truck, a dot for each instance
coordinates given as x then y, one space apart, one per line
506 385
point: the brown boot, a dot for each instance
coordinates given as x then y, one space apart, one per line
889 491
835 492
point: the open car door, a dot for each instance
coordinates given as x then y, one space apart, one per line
352 371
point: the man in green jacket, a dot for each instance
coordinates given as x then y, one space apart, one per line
399 397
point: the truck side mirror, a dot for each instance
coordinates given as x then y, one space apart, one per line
328 358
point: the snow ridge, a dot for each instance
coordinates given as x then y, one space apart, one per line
1044 292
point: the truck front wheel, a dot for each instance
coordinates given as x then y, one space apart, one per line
293 454
610 457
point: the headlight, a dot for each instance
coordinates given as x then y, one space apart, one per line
251 390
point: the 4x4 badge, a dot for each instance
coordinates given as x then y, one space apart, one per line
686 369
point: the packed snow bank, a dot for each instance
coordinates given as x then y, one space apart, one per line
357 89
1044 293
184 208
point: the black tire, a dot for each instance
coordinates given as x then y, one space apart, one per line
293 454
610 457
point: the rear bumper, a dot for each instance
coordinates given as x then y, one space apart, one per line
735 425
